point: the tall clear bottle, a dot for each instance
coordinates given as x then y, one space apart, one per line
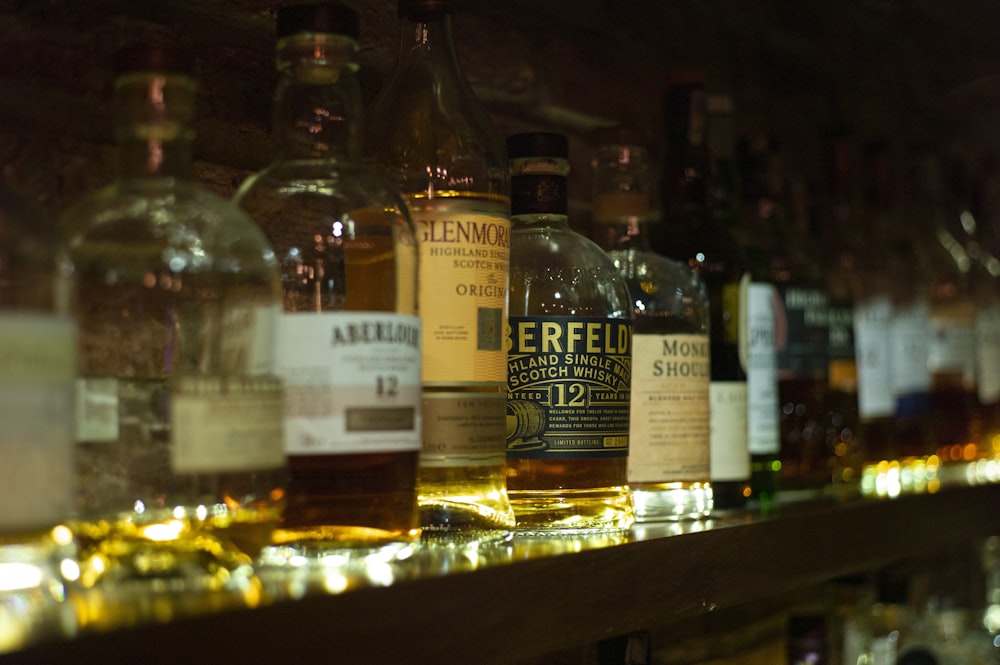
349 338
569 366
37 364
429 131
700 207
180 467
669 434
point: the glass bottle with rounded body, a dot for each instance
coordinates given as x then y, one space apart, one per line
669 433
38 342
697 232
176 293
569 357
428 131
349 340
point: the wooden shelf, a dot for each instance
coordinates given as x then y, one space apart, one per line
538 602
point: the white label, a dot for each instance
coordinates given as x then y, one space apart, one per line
762 370
97 410
988 353
909 329
728 421
226 425
352 382
37 364
872 352
669 417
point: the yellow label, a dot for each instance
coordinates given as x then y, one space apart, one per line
464 269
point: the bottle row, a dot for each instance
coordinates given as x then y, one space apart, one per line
394 331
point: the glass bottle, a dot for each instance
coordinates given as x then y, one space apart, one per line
951 356
843 227
872 295
669 432
756 236
569 360
37 365
700 204
180 467
429 132
349 338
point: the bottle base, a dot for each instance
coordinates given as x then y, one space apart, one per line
573 511
464 499
656 502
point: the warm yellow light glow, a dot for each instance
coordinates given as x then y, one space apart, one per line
17 576
163 532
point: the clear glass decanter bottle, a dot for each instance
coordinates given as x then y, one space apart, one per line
669 434
180 467
429 132
569 367
349 338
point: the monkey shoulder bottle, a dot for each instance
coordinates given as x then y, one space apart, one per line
569 361
669 443
349 338
179 456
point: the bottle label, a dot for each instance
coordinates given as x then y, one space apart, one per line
802 332
988 353
97 410
872 351
464 271
762 370
352 382
464 429
910 378
952 343
222 425
37 365
568 383
730 458
842 368
669 431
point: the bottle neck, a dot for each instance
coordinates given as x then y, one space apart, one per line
538 198
623 234
317 104
153 125
430 38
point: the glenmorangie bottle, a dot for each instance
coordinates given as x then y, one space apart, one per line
349 338
428 131
569 357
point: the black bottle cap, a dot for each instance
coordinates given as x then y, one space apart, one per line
537 144
917 656
153 58
330 18
417 10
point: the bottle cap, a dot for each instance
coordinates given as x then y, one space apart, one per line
331 18
153 58
537 144
416 10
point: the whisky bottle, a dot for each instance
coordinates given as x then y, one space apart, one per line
843 228
669 430
700 205
802 340
951 355
429 132
569 357
872 296
756 236
180 467
37 365
349 337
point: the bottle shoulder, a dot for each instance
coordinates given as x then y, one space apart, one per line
664 290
